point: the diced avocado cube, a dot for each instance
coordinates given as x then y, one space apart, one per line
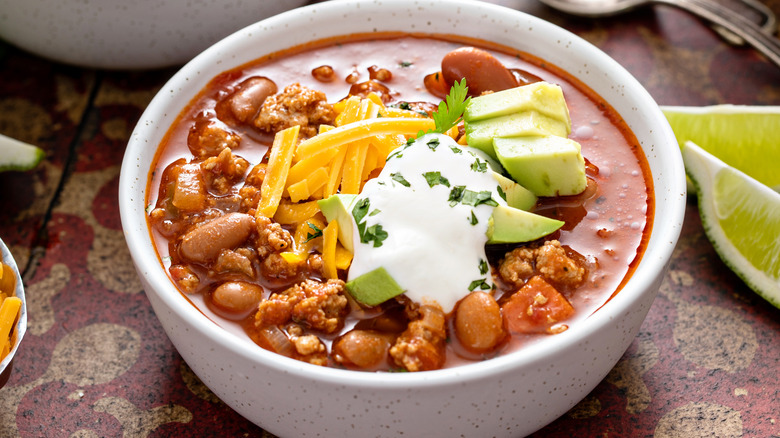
512 225
542 97
517 196
480 134
339 208
374 287
545 165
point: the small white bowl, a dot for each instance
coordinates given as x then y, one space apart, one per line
120 34
512 395
17 333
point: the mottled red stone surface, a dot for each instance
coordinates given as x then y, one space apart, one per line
95 361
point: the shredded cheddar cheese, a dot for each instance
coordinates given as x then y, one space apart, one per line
339 159
329 243
278 167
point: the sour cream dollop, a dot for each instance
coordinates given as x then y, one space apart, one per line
426 218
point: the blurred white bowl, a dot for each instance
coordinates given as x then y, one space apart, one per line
511 395
122 34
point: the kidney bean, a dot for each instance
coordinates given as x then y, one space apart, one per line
479 325
482 71
246 101
203 243
238 297
362 348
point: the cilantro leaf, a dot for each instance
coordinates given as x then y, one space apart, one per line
433 144
317 232
501 193
476 198
435 178
460 194
456 194
360 209
473 220
374 233
483 267
397 177
479 166
481 284
451 109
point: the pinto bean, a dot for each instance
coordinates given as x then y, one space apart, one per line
246 101
362 348
237 297
324 73
482 71
478 323
204 243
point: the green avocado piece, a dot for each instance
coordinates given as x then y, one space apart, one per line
480 134
543 97
374 287
512 225
338 208
545 165
517 196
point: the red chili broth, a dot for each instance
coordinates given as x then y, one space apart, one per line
622 209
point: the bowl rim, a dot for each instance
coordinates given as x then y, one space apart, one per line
21 323
221 57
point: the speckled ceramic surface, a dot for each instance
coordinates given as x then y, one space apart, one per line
128 34
510 395
95 362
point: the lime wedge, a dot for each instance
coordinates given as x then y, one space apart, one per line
743 136
16 155
741 218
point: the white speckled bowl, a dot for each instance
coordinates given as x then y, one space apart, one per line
6 364
512 395
122 34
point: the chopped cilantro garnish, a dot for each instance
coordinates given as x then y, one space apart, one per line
360 210
476 198
435 178
317 232
404 106
456 194
483 267
398 153
459 194
456 149
374 233
473 220
481 284
375 212
405 64
501 193
433 144
397 177
479 166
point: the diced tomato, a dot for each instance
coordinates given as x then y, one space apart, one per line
536 307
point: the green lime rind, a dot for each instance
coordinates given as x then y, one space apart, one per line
19 156
746 137
741 217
